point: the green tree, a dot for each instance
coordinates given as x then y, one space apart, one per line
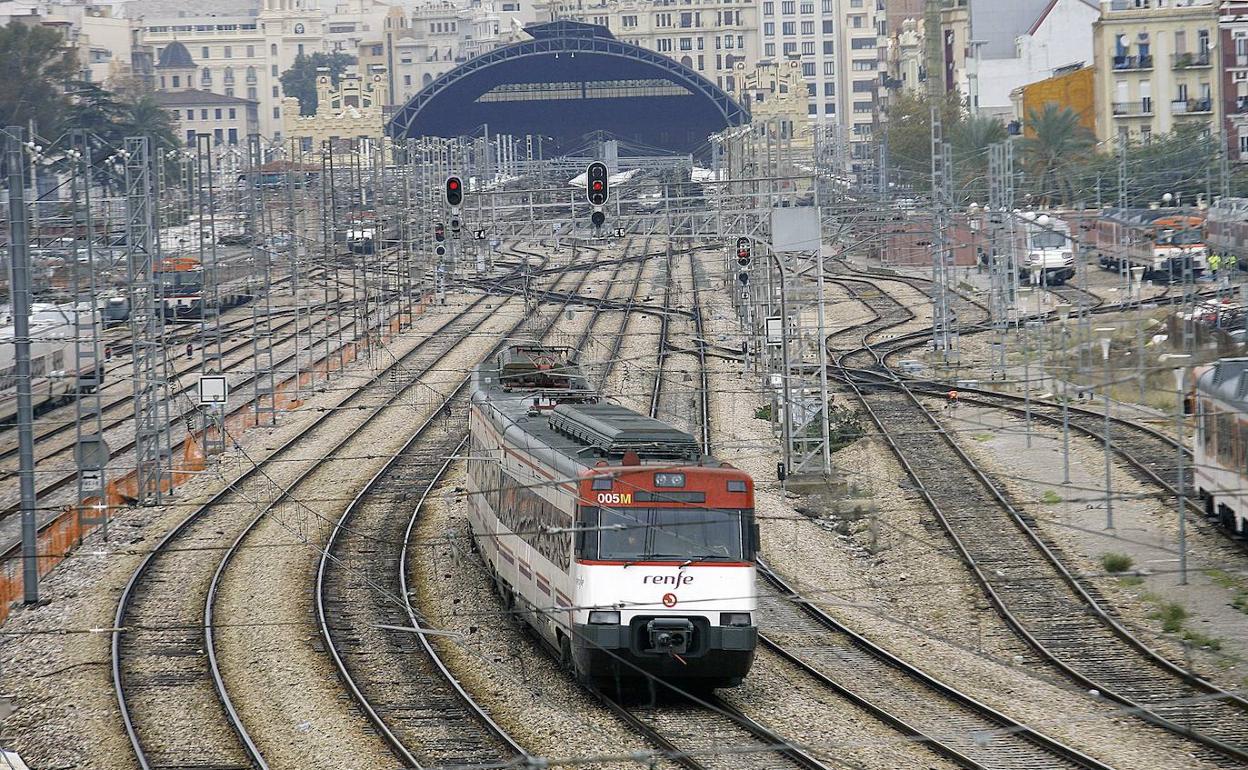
300 80
910 135
1052 155
37 66
971 141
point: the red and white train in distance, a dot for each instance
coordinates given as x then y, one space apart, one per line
1220 455
629 551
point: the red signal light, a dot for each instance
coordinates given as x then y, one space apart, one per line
453 184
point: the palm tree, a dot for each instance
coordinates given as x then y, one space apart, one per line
971 139
1059 144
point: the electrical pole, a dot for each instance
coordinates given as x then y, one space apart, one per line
19 281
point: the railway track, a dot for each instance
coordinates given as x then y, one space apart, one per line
363 604
1025 577
168 688
902 695
63 479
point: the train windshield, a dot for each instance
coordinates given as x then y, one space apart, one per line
1170 237
668 533
1045 239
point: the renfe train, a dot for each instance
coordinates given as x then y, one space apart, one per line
628 551
1221 448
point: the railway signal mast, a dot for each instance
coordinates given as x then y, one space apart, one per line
596 191
439 248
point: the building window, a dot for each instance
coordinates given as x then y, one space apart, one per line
233 134
205 77
253 93
686 44
275 92
251 52
769 8
808 69
229 52
863 86
272 49
812 109
218 135
190 138
190 114
865 65
788 7
829 108
203 114
203 53
251 75
376 50
808 28
273 70
177 81
790 49
827 47
828 29
827 6
829 89
217 114
808 48
629 21
229 91
829 68
407 80
769 50
277 112
769 28
233 114
789 27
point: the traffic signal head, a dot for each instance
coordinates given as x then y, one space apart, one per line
455 225
743 277
454 191
597 218
596 183
743 252
439 232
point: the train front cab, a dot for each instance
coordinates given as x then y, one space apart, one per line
664 578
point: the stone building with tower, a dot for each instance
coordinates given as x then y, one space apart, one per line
353 109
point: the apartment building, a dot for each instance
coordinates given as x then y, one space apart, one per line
708 36
103 40
1155 67
241 49
227 119
1232 51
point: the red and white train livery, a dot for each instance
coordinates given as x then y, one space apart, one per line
628 551
1221 449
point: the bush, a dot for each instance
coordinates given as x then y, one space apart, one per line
1116 562
763 412
1171 616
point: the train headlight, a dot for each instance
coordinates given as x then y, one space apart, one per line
734 618
604 617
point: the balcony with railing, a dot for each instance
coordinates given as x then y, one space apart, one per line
1191 106
1144 62
1181 61
1133 109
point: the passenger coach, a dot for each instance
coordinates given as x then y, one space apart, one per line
628 551
1221 450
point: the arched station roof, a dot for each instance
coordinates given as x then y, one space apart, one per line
569 80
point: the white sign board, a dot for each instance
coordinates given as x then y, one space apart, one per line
775 330
795 228
213 389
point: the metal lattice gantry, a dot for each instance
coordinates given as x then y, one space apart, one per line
147 324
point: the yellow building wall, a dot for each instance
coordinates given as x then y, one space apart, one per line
1072 89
